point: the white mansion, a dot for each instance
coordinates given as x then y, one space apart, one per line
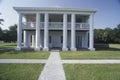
62 28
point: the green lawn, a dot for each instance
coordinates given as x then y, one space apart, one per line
117 46
92 71
20 71
104 53
112 47
12 54
90 55
7 45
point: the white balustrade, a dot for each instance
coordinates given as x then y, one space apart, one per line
55 25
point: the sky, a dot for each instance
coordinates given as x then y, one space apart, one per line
107 15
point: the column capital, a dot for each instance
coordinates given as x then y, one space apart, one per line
20 14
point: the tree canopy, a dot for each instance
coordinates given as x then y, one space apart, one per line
107 35
9 35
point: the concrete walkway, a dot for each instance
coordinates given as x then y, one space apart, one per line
53 69
106 61
23 61
91 61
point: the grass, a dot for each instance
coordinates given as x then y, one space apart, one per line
112 47
117 46
12 54
7 45
91 55
110 53
20 71
8 54
92 71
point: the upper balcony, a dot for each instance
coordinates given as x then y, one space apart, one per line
55 26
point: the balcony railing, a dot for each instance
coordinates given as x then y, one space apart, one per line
55 25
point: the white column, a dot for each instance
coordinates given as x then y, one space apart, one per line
64 32
37 46
19 33
91 33
33 40
46 32
25 39
73 45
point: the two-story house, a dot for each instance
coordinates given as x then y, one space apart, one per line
49 28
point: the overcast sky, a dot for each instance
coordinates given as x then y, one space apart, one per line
108 11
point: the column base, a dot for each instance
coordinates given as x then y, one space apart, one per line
37 49
64 49
46 49
18 48
73 49
91 49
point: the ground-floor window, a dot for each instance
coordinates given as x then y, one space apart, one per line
61 39
49 39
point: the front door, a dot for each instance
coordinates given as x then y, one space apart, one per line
56 41
79 41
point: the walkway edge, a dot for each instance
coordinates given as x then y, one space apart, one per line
23 60
91 61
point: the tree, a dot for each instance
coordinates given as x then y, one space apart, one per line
1 20
117 34
107 35
10 35
1 34
12 32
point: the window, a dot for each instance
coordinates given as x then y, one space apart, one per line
61 39
49 39
78 20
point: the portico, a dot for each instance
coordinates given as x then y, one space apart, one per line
40 26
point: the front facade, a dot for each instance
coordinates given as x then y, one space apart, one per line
51 28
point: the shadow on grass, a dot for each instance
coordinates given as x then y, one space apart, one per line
7 45
14 51
107 49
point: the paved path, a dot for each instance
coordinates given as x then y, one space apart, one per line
92 61
106 61
23 61
53 69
